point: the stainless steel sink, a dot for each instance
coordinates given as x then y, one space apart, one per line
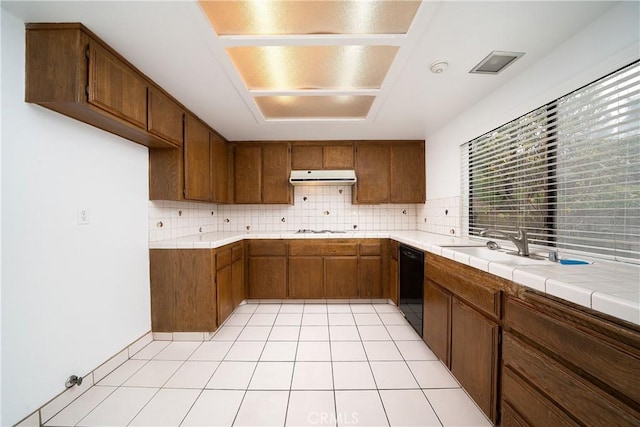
502 256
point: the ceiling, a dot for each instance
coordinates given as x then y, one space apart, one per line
173 43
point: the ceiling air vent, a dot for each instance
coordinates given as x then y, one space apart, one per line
495 62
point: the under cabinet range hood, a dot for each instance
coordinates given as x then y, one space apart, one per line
323 177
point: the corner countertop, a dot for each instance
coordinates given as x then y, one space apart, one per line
609 287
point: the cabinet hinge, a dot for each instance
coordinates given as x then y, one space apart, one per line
86 90
86 52
500 337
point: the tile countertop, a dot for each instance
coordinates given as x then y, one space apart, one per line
608 287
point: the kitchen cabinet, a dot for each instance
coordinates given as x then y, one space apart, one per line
239 291
341 276
394 278
261 173
462 309
370 270
389 172
373 173
197 160
183 291
436 329
165 117
71 71
229 279
324 155
407 163
198 171
267 269
323 269
221 182
475 354
306 277
564 365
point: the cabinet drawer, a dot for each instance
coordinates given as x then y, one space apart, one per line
521 398
323 248
573 394
268 248
370 248
223 258
608 360
481 290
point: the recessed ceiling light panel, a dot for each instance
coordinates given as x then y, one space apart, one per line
315 107
271 17
312 67
495 62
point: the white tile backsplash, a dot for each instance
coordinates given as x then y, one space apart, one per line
440 216
317 208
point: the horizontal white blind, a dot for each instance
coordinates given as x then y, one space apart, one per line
568 172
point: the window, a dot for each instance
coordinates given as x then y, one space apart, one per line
568 172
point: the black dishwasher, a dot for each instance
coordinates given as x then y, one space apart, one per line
412 285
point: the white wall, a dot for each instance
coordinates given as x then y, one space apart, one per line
607 44
72 296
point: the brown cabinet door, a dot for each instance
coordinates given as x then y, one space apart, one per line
474 355
237 277
275 174
408 173
164 274
341 277
337 157
183 296
225 293
372 170
220 171
306 277
166 117
197 173
306 157
436 328
116 88
247 174
393 280
370 277
268 277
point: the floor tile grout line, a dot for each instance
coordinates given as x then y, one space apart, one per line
293 371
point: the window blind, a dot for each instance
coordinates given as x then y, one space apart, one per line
568 172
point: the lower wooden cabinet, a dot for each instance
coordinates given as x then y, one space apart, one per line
183 292
462 309
475 355
341 277
394 270
306 277
229 279
563 366
436 330
267 269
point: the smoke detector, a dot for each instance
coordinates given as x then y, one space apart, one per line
439 67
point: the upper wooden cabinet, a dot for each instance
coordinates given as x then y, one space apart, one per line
373 173
116 87
71 71
197 161
407 173
389 172
327 155
165 118
221 183
261 173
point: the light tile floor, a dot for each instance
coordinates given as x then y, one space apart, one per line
283 365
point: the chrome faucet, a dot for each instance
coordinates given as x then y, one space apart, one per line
520 240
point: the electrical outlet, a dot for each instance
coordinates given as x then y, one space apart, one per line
83 216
